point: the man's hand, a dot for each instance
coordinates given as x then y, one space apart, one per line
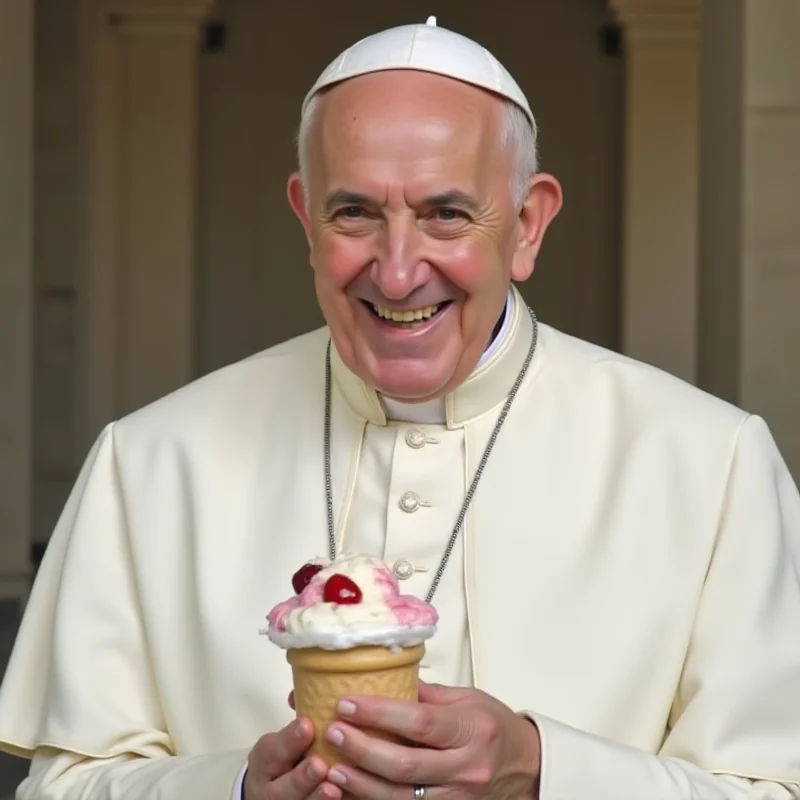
469 745
273 771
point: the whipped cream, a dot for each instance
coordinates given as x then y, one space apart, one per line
382 616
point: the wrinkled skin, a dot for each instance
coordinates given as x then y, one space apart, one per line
410 205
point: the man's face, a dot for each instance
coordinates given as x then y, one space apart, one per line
413 234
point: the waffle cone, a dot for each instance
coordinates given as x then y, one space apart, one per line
323 677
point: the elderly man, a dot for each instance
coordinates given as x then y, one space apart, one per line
613 553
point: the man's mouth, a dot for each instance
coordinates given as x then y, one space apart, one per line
407 318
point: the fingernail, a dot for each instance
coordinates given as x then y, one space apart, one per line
335 737
312 772
346 708
335 776
299 732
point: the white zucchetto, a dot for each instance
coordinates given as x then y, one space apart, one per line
427 48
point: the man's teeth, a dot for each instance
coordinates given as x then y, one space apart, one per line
406 316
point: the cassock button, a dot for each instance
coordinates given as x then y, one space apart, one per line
409 502
403 569
415 439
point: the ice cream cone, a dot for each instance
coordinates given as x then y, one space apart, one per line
323 677
348 630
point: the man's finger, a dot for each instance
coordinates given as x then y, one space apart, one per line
359 784
396 764
291 701
307 779
276 753
440 727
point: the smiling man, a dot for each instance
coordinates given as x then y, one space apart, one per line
420 200
613 553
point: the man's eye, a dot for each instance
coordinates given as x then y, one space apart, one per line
449 214
351 212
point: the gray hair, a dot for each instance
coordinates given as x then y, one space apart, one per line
517 134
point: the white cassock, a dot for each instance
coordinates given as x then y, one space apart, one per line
627 575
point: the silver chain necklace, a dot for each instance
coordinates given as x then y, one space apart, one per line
470 492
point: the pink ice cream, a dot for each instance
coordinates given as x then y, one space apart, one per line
350 602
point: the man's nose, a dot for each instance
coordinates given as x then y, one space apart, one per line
399 268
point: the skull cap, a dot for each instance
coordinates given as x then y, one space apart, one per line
426 48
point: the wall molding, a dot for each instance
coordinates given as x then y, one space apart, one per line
156 17
659 20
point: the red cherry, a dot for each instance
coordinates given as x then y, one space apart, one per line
341 590
303 576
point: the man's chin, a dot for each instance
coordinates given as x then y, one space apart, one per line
410 385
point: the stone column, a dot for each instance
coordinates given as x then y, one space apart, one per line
750 196
137 292
659 303
16 293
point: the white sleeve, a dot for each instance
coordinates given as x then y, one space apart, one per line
734 731
79 697
238 788
59 775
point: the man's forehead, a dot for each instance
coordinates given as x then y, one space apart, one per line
385 136
415 177
399 137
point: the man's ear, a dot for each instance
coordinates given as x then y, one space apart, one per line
540 208
297 200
